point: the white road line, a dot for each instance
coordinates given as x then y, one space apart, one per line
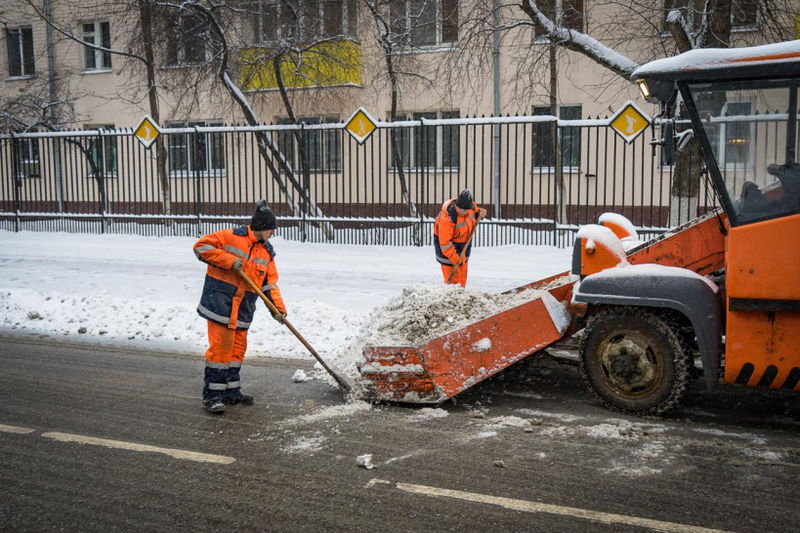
132 446
15 429
536 507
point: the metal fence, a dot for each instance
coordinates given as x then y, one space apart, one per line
327 187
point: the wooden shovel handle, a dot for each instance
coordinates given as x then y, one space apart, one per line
339 379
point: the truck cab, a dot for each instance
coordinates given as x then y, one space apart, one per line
645 326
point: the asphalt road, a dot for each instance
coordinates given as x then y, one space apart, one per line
94 439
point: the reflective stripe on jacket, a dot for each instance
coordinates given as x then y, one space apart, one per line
226 297
451 231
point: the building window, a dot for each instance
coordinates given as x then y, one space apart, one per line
27 158
99 34
19 42
323 146
271 20
420 23
732 141
744 13
569 139
103 150
428 147
186 41
196 153
567 14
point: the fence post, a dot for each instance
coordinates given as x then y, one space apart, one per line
304 170
15 178
422 166
100 179
197 188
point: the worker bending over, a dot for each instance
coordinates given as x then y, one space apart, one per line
451 231
228 305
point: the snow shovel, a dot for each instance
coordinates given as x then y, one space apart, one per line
464 251
343 382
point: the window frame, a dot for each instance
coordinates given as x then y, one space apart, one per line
331 156
411 150
257 14
734 3
721 147
188 141
25 59
108 143
181 37
407 29
30 167
558 14
100 57
562 132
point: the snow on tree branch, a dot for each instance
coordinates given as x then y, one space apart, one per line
580 42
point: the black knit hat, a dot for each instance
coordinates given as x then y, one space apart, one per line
263 218
464 200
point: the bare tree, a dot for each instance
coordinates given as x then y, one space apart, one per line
218 19
393 40
142 10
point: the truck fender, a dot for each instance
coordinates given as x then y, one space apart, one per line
680 289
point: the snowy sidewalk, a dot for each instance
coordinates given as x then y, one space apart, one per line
135 291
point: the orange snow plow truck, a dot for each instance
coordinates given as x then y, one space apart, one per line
719 292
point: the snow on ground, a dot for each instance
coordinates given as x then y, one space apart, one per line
142 292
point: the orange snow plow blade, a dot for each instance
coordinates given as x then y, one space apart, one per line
451 363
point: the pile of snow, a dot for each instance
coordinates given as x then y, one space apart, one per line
423 312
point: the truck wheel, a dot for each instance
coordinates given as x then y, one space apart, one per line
634 361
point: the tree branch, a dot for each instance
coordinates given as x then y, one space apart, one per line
579 42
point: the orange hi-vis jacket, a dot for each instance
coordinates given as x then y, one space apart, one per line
226 297
451 231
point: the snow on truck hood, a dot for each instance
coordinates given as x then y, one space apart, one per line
717 58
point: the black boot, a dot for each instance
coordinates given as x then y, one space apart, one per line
214 406
234 399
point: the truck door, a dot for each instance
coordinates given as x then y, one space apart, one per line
763 303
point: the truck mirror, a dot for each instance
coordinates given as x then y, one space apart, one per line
683 139
668 143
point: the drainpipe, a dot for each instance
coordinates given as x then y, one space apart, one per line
496 110
51 82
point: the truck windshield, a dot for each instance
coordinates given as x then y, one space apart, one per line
746 126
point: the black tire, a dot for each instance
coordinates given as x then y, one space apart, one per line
635 361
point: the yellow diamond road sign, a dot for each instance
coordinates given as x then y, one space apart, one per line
361 125
630 121
147 131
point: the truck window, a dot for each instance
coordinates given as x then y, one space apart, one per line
746 126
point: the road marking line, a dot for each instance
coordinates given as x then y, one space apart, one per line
122 445
536 507
15 429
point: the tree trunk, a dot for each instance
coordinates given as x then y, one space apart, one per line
715 32
146 16
561 201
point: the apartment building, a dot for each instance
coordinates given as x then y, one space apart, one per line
104 89
88 70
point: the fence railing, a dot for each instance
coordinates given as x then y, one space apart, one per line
326 187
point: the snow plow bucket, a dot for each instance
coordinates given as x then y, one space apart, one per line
445 366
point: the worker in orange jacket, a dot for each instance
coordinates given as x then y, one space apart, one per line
228 304
451 230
